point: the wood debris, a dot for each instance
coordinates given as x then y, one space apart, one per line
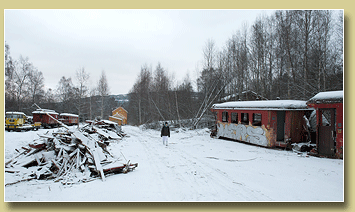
68 155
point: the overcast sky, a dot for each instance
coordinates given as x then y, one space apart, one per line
120 42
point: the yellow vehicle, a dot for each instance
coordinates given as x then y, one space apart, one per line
17 121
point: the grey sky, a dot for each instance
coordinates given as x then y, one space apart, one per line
59 42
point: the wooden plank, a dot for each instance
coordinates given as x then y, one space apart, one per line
98 164
78 159
60 153
56 164
101 132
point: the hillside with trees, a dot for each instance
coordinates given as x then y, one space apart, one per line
290 54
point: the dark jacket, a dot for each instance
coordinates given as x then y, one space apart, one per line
165 131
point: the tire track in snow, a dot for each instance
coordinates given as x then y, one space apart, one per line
152 169
228 184
190 178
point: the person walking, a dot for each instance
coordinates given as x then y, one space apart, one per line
165 133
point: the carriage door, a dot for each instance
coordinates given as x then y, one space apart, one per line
327 133
281 126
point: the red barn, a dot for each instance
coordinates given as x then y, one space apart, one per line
41 118
329 129
274 123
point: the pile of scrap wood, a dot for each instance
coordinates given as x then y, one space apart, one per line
67 155
105 129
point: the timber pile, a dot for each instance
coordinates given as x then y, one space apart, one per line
68 156
105 130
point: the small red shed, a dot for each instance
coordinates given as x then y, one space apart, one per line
329 129
273 123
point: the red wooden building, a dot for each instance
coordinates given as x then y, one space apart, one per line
274 123
329 129
69 119
41 118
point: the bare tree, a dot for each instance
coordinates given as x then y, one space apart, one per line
36 86
10 95
159 94
140 103
66 94
209 54
82 77
103 90
21 77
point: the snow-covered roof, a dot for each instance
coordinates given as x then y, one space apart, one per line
328 97
15 113
122 108
69 114
263 105
44 111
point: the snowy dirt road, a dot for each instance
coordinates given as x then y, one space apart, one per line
194 167
182 175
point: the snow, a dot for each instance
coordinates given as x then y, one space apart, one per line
194 167
328 96
262 105
15 113
44 111
69 114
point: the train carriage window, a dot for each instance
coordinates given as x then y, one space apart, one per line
224 116
234 117
256 119
245 118
326 117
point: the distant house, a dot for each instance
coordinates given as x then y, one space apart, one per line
243 96
119 115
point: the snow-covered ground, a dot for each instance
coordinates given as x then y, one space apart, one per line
194 167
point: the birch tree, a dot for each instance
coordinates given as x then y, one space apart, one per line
82 78
103 90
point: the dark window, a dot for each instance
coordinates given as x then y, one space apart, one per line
326 117
256 119
224 116
234 117
245 118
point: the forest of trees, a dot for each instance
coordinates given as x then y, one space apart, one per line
24 86
290 54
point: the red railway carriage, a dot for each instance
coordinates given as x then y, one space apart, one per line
41 117
69 119
329 129
274 123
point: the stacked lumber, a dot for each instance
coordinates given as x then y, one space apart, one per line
67 155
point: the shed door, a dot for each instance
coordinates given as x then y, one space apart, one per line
326 131
280 125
